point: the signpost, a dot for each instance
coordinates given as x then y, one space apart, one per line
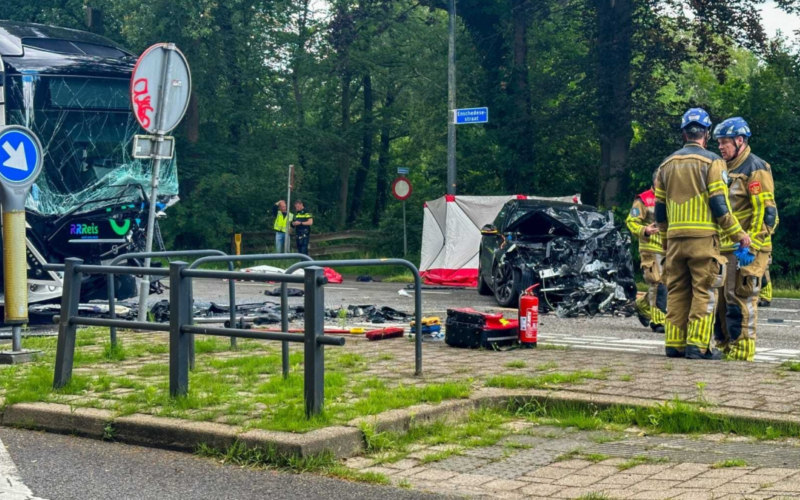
287 240
160 89
401 189
470 116
20 165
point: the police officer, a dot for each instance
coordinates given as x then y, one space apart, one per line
752 200
651 308
302 226
691 206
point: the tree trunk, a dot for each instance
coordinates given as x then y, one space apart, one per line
344 153
384 158
366 151
192 121
519 90
613 59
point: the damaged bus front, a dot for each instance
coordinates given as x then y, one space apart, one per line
72 89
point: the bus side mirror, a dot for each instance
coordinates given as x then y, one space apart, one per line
489 230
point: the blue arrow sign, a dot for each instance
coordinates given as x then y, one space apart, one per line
471 116
20 155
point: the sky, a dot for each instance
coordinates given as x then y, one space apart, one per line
775 19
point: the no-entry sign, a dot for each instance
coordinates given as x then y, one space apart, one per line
401 189
160 88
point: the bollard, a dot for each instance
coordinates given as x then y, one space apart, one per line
70 300
179 342
314 300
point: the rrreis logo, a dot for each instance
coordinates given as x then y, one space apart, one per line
84 230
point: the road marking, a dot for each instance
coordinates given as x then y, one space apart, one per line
11 484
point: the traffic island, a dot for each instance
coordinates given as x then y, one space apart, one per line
240 396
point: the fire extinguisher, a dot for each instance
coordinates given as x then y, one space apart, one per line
528 318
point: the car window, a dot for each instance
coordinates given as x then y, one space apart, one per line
498 222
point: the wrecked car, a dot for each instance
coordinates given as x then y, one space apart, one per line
577 256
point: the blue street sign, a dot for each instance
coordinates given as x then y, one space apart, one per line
402 171
471 116
20 155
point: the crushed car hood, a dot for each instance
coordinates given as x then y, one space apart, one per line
577 255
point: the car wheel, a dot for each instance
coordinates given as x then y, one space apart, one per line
483 288
506 289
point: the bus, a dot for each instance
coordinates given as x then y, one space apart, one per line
71 88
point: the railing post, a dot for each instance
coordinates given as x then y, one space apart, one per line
285 328
180 314
314 384
70 300
112 307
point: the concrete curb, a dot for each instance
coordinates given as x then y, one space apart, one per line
342 441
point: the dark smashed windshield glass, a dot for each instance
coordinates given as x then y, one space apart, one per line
86 127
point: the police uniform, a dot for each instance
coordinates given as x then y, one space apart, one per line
303 233
691 207
752 201
653 305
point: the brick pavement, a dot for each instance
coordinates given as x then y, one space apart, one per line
636 467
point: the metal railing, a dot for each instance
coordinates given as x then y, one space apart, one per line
284 298
364 263
181 330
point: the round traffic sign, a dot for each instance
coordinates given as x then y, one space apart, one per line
160 88
401 188
20 156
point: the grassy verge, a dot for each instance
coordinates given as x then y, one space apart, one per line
268 458
542 381
244 388
672 417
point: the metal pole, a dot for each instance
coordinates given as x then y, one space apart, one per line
180 314
67 332
451 101
163 98
314 381
287 241
405 236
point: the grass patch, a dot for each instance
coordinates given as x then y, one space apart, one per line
671 417
550 365
641 460
626 378
594 496
516 364
404 277
792 366
729 463
786 293
551 347
385 357
405 484
268 458
438 456
515 382
570 455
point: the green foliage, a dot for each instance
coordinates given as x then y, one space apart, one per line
516 382
729 463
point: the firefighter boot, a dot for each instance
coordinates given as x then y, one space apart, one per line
694 267
653 270
642 306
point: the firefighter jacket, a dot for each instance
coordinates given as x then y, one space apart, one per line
752 199
692 196
643 213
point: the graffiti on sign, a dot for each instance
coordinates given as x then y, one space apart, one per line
141 98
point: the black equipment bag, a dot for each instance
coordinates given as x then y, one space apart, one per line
472 329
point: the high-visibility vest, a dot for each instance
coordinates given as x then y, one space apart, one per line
280 222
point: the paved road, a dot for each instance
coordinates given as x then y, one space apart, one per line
58 467
778 341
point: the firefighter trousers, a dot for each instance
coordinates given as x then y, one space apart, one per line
766 284
694 271
735 331
653 270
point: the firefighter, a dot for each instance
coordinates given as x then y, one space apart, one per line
641 221
691 207
752 200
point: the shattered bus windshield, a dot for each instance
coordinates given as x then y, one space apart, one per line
86 127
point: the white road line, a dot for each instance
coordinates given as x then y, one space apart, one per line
640 341
11 484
